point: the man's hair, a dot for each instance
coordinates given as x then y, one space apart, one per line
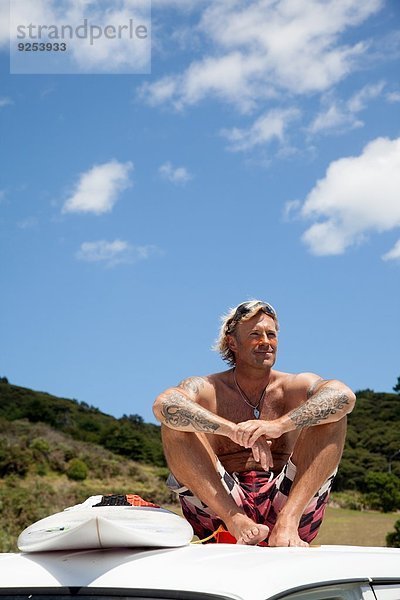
238 314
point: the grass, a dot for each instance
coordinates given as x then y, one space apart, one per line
355 528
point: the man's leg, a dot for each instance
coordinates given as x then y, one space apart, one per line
316 455
193 463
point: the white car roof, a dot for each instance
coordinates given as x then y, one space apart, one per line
247 572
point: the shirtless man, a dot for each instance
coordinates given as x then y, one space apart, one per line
252 448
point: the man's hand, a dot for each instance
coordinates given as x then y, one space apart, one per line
249 432
262 453
254 435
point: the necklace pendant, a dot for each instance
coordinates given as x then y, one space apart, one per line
256 412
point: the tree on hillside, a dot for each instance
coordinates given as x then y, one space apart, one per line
396 388
393 538
382 491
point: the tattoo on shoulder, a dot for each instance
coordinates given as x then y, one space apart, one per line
318 408
192 384
313 387
179 411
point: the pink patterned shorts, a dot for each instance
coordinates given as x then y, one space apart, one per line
261 494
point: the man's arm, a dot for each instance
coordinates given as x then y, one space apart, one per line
326 401
179 408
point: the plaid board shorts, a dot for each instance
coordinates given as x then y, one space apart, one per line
261 494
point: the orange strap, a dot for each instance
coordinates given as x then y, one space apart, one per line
221 535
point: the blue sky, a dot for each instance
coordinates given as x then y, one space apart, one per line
260 158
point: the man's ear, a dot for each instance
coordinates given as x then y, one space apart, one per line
232 343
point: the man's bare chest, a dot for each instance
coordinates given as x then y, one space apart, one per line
230 405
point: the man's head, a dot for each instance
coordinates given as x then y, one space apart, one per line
230 322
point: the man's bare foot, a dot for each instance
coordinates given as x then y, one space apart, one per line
286 535
246 531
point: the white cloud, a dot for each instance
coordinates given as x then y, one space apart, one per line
358 195
177 175
393 96
104 55
28 223
186 4
341 116
394 253
114 253
97 189
269 126
359 100
334 118
4 101
291 208
261 48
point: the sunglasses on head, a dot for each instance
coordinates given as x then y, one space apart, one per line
244 309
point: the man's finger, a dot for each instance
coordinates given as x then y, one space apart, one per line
256 453
267 454
265 461
246 437
252 439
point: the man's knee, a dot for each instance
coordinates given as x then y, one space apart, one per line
186 447
326 432
181 439
325 441
336 432
174 443
169 435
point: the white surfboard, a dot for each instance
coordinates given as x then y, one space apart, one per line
88 526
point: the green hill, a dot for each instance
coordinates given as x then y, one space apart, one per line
128 436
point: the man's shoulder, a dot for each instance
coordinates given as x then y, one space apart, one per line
194 384
282 377
299 381
210 381
220 376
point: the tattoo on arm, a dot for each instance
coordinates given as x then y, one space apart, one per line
192 384
324 403
179 412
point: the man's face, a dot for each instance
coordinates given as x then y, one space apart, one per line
255 341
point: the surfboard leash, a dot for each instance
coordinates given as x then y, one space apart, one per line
221 535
